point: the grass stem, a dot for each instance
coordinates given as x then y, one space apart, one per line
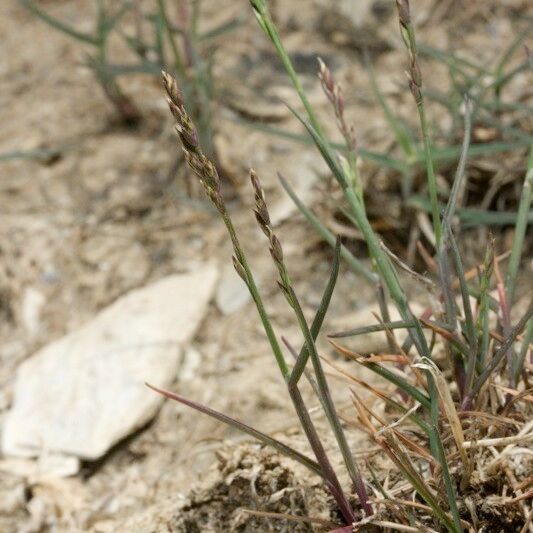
415 85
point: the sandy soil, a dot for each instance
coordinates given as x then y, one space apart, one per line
99 217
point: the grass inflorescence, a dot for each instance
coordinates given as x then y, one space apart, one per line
455 405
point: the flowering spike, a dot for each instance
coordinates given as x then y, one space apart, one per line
404 12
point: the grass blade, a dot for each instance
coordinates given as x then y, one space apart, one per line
448 58
108 22
262 437
470 325
144 67
303 356
389 375
42 154
265 22
438 327
520 230
325 150
478 149
458 182
403 136
58 25
448 483
502 350
395 324
482 323
222 29
471 216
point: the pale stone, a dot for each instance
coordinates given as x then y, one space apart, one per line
49 466
53 465
83 393
32 304
232 293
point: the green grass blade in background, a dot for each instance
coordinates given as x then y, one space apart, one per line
520 230
327 235
58 25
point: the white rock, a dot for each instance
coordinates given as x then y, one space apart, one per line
32 303
371 342
54 465
48 467
85 392
232 293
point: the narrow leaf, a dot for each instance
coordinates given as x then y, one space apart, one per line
396 324
458 181
502 350
324 148
58 25
262 437
389 375
520 230
222 29
319 316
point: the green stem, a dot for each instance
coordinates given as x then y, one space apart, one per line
420 104
252 287
265 21
58 25
316 325
520 231
328 473
178 63
329 407
499 355
299 405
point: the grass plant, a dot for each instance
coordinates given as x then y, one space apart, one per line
106 20
157 39
458 390
410 159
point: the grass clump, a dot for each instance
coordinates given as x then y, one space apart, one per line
454 418
400 174
157 38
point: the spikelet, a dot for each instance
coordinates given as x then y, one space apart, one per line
197 161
